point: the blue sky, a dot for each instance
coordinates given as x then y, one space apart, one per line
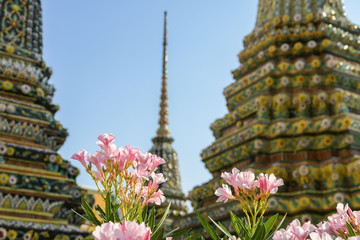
106 56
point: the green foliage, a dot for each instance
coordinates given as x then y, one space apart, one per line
142 215
243 230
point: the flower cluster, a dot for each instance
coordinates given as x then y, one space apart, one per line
250 192
335 228
126 230
126 173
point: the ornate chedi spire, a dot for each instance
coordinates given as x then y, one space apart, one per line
162 147
293 111
37 186
163 130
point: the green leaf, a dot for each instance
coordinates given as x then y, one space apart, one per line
175 233
151 220
350 230
84 217
207 226
144 213
89 212
242 225
235 224
101 212
108 207
222 228
158 235
259 233
277 227
270 223
166 213
194 237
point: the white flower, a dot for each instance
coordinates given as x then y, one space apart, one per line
10 108
72 171
272 202
304 142
3 149
322 97
285 47
281 127
26 89
305 218
285 81
52 158
311 44
316 79
295 174
303 170
349 139
334 176
270 66
325 123
12 180
79 237
340 45
297 17
27 236
261 54
258 144
331 63
2 107
299 64
339 197
3 233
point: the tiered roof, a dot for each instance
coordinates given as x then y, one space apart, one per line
37 186
293 111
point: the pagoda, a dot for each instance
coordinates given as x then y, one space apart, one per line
162 147
294 111
37 186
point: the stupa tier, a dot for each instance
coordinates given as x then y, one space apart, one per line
37 186
293 111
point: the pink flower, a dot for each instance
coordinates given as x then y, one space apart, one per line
323 227
245 180
268 184
157 178
230 177
295 231
301 232
80 156
141 172
131 152
154 161
99 176
120 160
108 148
323 236
224 193
96 160
282 235
105 231
132 231
157 198
125 231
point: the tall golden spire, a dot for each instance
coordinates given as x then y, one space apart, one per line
163 130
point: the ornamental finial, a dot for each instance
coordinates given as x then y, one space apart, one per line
163 130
